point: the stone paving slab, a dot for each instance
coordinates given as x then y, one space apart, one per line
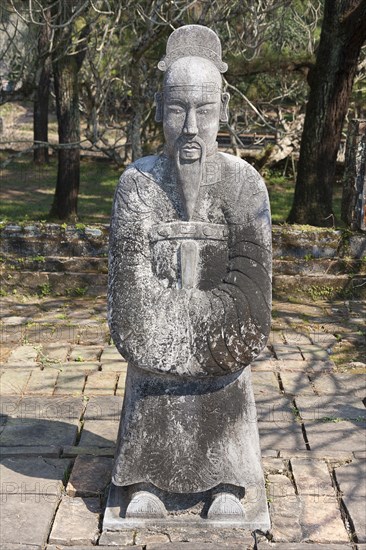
45 452
46 408
42 382
265 383
90 476
287 352
281 435
270 408
61 547
303 546
312 477
56 352
340 383
76 450
25 530
327 437
200 546
103 408
321 521
333 407
69 383
20 432
295 383
14 382
351 479
101 383
99 433
23 354
76 521
32 476
85 353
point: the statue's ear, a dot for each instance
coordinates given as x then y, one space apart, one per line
159 107
224 109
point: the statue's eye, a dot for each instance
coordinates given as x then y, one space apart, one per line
176 110
202 111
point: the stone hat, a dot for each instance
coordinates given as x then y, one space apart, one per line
193 40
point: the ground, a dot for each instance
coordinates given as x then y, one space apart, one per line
62 385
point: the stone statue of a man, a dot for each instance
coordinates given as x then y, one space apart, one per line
189 300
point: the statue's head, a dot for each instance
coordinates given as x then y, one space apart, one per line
192 103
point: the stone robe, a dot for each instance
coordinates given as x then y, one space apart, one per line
189 308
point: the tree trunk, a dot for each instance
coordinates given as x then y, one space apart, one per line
67 104
354 181
40 107
136 122
342 36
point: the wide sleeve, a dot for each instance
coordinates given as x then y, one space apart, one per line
189 332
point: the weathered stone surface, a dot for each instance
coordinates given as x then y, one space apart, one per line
73 451
99 433
32 432
273 409
287 352
220 537
85 353
23 354
42 382
25 530
295 383
265 383
190 268
83 367
76 521
285 509
313 352
123 538
56 352
51 409
104 408
339 383
101 383
198 546
305 546
61 547
312 477
29 486
38 476
281 435
148 537
321 520
90 476
45 452
351 479
331 407
328 437
14 382
69 383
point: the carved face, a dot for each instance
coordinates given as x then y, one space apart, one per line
193 105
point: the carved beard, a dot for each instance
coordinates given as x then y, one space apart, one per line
189 174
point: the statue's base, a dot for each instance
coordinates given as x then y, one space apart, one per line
186 511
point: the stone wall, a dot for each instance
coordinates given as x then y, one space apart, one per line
52 258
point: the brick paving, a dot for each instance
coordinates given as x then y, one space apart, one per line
62 386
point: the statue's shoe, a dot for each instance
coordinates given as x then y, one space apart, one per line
225 506
145 505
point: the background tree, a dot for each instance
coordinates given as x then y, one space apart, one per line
42 91
343 34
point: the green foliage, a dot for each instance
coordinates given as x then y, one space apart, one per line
44 290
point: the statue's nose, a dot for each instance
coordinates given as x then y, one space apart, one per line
190 124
